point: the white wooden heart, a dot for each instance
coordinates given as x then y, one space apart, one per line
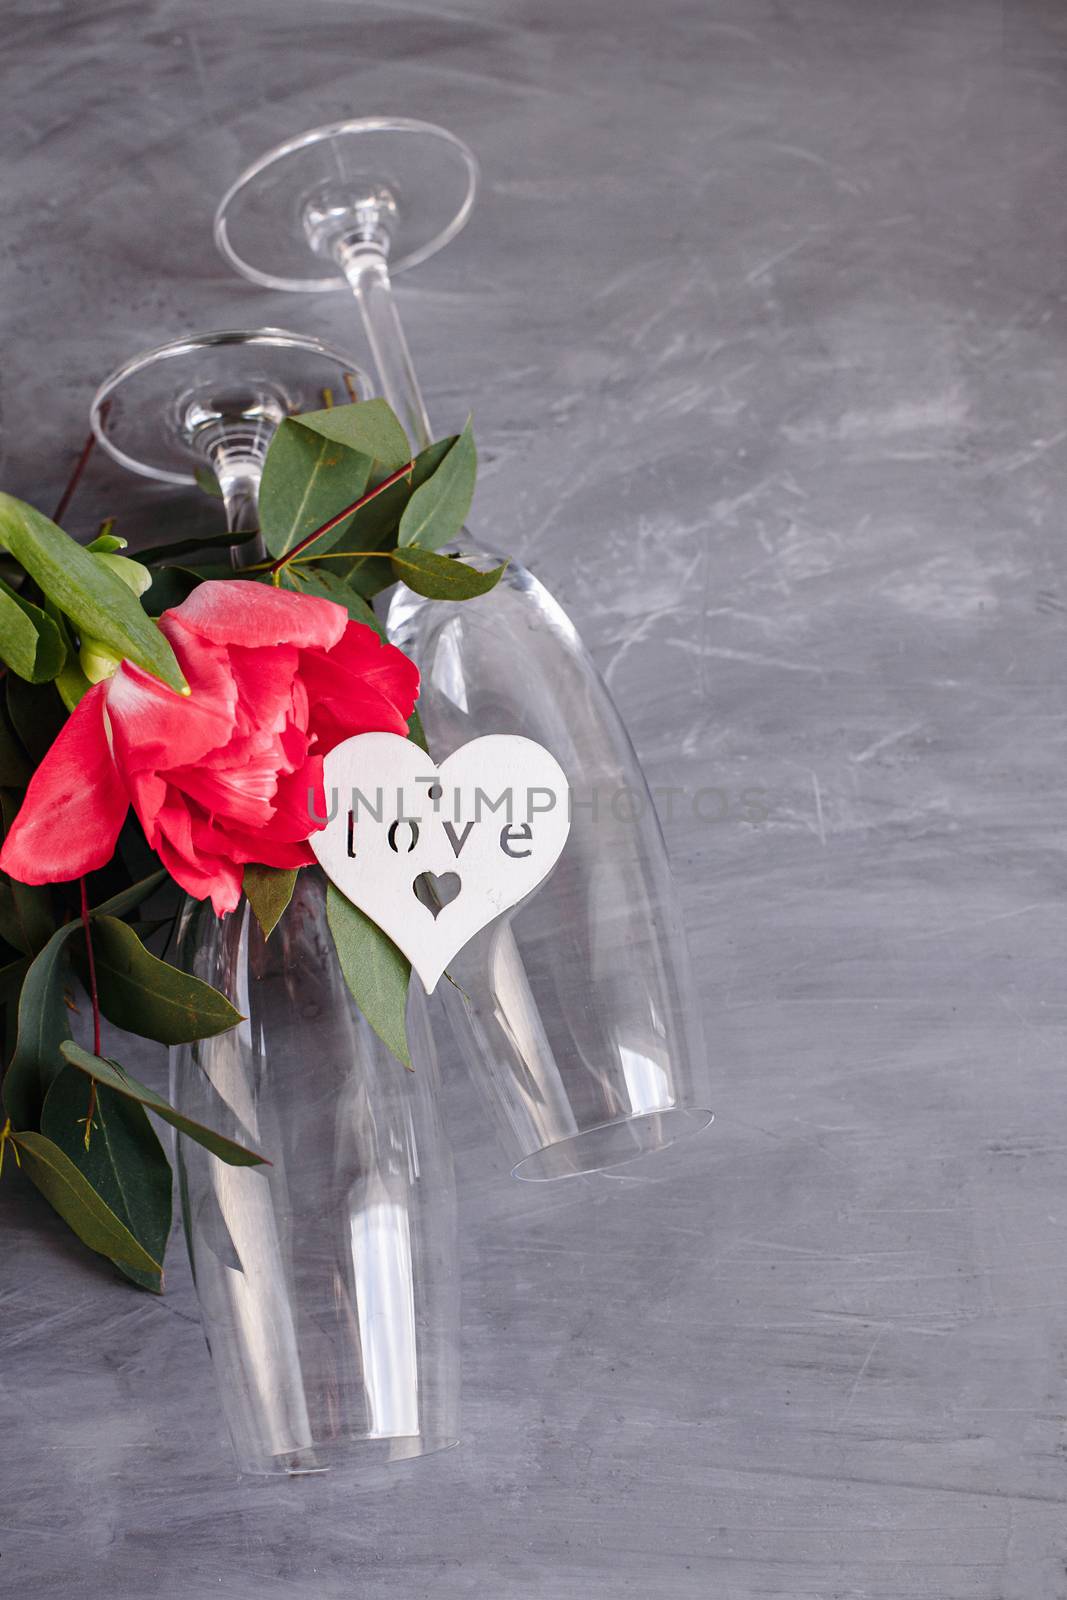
495 815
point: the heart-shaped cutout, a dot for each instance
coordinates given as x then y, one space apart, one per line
435 892
493 817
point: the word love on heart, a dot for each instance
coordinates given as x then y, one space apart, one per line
433 853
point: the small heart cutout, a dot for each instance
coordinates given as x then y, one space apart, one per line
435 892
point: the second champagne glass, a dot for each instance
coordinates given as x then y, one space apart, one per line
578 1010
328 1281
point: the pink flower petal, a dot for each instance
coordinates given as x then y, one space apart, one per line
204 876
236 611
198 857
233 843
207 666
264 680
361 686
242 792
299 801
75 805
154 728
148 794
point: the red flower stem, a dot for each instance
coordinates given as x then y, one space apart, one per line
364 499
94 993
79 467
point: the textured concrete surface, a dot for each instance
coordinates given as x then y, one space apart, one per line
762 318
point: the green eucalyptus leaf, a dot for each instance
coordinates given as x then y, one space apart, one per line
99 604
376 972
269 891
124 1161
307 479
441 577
133 853
78 1203
25 915
221 570
30 642
416 731
11 976
36 713
26 920
129 899
43 1026
437 511
192 546
15 769
369 577
70 681
207 481
376 526
370 427
169 587
148 996
134 574
109 1072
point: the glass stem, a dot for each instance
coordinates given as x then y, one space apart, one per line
365 266
237 463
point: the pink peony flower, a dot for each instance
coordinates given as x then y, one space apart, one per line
228 774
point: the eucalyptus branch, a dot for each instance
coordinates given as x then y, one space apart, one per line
341 516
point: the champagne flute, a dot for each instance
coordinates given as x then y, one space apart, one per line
580 1005
327 1282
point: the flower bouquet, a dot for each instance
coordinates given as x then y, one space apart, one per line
163 727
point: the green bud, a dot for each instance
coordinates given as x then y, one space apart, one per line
133 574
97 659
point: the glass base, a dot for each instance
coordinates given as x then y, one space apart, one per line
361 1457
613 1144
419 180
162 413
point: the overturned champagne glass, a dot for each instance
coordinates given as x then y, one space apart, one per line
580 1005
328 1281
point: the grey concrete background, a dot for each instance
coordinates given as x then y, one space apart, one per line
761 314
